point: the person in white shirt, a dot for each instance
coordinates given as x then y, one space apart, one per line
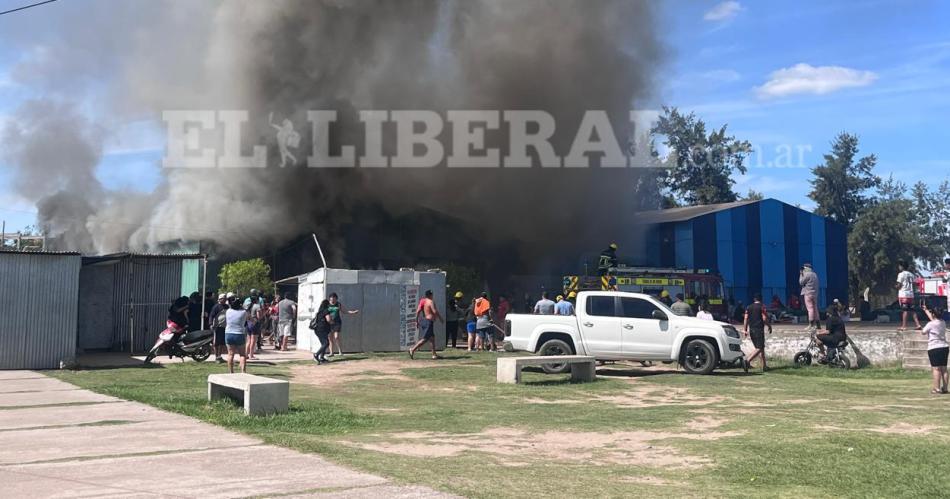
703 314
544 306
235 334
937 349
905 295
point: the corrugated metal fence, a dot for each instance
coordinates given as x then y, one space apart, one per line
125 300
38 296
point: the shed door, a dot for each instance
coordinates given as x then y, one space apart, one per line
381 318
95 307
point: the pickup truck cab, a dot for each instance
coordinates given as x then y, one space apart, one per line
611 325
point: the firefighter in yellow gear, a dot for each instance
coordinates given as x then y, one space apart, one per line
608 259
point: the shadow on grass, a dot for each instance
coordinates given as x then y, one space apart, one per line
140 365
555 382
638 373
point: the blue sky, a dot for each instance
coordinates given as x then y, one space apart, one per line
780 74
878 69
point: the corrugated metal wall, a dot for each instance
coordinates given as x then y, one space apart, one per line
39 298
377 294
129 298
758 247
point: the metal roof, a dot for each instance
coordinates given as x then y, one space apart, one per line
118 256
687 213
44 252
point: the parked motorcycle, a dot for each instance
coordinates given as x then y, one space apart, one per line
176 343
835 358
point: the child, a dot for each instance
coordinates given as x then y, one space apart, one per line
937 348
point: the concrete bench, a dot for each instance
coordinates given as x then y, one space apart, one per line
259 395
509 368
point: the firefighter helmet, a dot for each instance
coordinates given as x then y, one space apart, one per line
613 246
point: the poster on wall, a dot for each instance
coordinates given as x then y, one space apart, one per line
408 330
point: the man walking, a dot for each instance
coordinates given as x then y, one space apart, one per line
756 319
680 307
544 306
810 284
286 315
905 295
426 317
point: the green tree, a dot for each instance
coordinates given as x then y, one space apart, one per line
932 215
884 233
460 278
754 195
242 276
840 186
700 164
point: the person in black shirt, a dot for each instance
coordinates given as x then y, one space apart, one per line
194 312
755 322
320 324
836 331
176 313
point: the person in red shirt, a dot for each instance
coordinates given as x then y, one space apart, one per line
504 307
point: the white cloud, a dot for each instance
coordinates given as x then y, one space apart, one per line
723 11
807 79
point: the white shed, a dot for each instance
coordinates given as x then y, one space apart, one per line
387 301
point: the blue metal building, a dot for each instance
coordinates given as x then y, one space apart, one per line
757 246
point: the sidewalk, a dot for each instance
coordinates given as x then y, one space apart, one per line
57 440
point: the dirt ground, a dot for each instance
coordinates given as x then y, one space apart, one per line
512 444
342 372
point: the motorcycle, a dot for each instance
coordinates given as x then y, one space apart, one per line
176 343
834 357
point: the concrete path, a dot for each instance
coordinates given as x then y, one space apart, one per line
57 440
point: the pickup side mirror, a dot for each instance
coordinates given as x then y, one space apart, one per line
659 315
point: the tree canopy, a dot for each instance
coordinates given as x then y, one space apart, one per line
700 164
242 276
841 185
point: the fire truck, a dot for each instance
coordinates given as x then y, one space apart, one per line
934 290
694 284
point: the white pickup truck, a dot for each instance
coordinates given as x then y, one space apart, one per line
611 325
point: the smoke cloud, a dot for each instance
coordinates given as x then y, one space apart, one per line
286 57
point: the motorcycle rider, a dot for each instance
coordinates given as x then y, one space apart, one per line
177 320
178 315
835 331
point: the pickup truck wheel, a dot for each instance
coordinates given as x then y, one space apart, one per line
699 357
555 347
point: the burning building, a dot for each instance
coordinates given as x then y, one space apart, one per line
282 59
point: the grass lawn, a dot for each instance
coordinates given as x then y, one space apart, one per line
811 432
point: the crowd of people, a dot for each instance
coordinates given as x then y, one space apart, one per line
241 326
